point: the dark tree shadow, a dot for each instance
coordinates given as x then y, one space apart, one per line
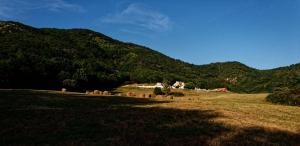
39 118
257 136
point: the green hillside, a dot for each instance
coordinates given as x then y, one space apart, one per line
83 59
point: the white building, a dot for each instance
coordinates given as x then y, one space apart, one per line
157 85
178 85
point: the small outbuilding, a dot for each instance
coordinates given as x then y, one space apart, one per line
221 89
178 85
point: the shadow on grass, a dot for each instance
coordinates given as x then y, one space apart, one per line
40 118
257 136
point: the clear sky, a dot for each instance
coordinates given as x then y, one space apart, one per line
260 33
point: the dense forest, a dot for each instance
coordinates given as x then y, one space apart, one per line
81 59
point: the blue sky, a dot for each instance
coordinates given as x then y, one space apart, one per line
260 33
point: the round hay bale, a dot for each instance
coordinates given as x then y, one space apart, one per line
143 95
105 93
131 94
63 90
87 92
149 96
96 92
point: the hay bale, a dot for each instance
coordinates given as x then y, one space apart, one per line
133 94
143 95
171 97
105 93
87 92
100 93
96 92
149 96
63 90
130 94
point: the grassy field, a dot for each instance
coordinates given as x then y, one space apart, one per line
31 117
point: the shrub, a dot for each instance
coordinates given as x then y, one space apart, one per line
69 83
285 96
166 91
157 91
190 85
166 87
282 89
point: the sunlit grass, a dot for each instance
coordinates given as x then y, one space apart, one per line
243 110
30 117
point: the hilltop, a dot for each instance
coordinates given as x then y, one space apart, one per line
82 59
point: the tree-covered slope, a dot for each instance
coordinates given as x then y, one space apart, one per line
84 59
33 57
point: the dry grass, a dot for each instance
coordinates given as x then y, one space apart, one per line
240 110
30 117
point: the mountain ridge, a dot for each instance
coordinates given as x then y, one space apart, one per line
108 37
85 59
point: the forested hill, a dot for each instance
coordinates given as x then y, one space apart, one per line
83 59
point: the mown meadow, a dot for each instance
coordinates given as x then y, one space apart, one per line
37 117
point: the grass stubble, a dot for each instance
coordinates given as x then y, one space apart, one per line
31 117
